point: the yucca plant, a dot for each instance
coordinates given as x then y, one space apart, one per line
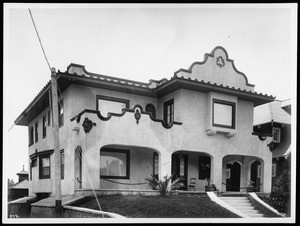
164 185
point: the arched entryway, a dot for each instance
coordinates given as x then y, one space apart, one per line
78 167
233 176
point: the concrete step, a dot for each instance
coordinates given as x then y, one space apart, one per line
242 204
256 215
249 211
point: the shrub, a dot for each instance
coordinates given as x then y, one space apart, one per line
279 197
164 185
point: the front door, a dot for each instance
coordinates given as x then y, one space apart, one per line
179 170
233 174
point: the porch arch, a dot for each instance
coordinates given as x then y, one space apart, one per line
188 164
127 166
245 162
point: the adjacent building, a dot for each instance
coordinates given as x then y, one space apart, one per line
115 132
21 188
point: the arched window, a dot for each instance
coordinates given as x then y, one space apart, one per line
151 108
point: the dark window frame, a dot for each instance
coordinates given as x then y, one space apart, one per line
49 117
44 126
113 99
31 135
36 132
233 116
127 152
171 116
62 165
61 116
41 175
203 175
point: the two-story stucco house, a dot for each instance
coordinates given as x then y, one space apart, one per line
115 132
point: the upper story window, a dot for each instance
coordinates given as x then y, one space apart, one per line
223 114
151 108
36 131
107 104
44 167
114 163
169 111
61 113
44 126
31 135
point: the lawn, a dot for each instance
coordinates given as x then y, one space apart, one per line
174 206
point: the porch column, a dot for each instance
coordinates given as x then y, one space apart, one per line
266 175
217 171
165 164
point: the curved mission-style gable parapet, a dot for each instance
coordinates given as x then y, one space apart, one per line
217 68
137 109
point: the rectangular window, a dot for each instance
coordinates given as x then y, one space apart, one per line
155 164
33 164
169 111
204 167
44 167
223 114
36 132
107 104
44 126
114 163
61 113
274 170
62 164
276 134
31 135
49 117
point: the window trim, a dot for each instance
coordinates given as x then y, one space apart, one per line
127 152
233 116
41 175
278 131
108 98
49 116
44 128
61 122
274 169
36 132
172 114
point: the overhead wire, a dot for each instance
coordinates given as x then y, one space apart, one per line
40 41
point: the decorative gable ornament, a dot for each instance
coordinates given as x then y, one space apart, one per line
88 125
220 61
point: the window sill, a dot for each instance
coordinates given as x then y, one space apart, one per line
228 132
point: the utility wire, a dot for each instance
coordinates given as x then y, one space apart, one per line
39 39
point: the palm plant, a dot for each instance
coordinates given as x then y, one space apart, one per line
164 185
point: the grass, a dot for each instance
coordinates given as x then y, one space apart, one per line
174 206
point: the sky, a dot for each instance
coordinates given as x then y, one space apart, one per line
138 42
